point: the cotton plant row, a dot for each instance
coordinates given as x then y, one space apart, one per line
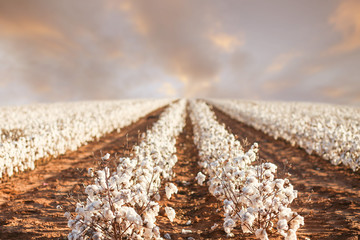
122 202
331 131
33 132
253 198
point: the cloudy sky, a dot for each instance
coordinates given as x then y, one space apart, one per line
69 50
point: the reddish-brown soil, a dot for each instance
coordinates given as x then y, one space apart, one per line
28 202
333 211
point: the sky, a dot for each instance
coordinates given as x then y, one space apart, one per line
287 50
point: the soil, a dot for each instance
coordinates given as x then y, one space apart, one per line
329 195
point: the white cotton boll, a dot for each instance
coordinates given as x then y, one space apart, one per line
98 236
252 179
91 172
157 169
251 154
290 193
291 235
67 215
285 212
156 231
71 223
248 218
229 224
106 157
296 223
248 190
131 215
167 236
200 177
267 188
91 190
108 214
270 166
261 234
170 188
186 231
170 213
282 225
279 183
148 233
157 197
214 226
268 175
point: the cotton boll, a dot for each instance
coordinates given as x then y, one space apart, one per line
106 157
200 177
67 215
252 156
291 235
170 213
214 226
229 224
170 188
167 236
185 231
248 218
282 225
157 197
261 234
296 223
148 233
270 166
248 190
156 231
279 183
108 215
91 172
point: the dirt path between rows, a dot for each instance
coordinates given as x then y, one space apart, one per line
334 209
193 203
28 202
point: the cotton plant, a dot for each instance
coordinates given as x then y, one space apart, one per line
122 202
114 211
261 206
253 199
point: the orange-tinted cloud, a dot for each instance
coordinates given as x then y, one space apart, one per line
281 61
226 42
168 90
346 20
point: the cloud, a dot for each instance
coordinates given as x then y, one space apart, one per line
281 61
168 90
333 92
226 42
346 20
175 32
90 49
65 51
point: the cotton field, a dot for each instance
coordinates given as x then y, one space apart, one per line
180 169
331 131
